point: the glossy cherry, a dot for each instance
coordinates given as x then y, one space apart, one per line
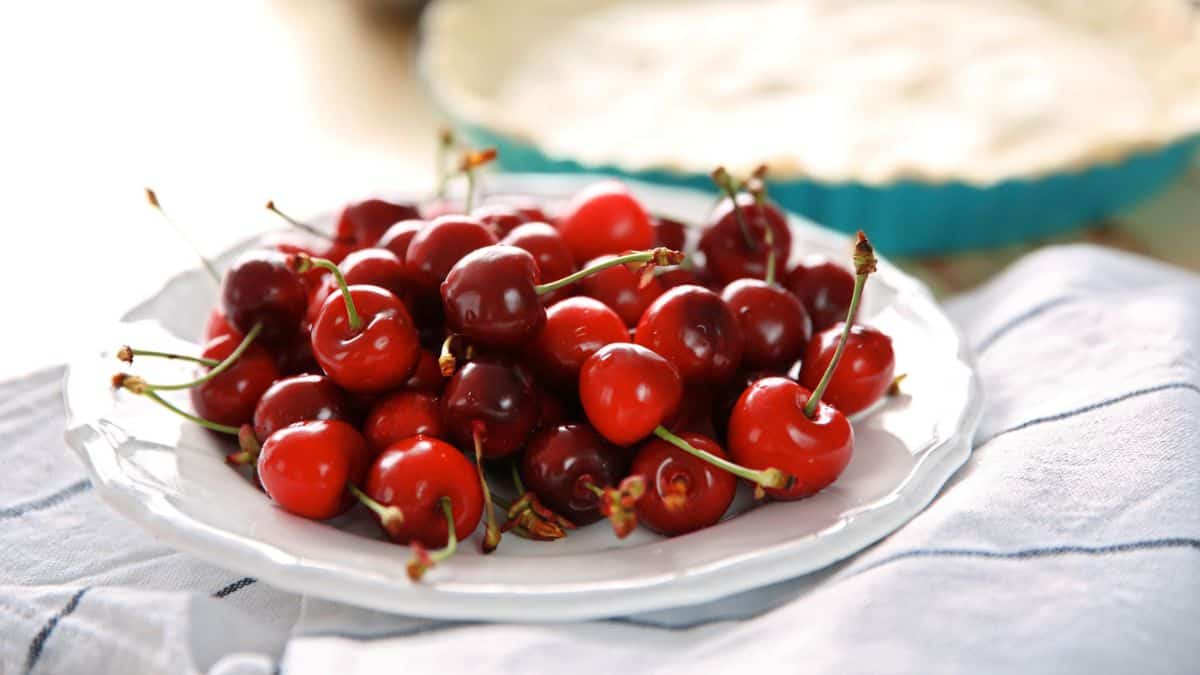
307 467
262 287
497 394
563 464
379 267
734 242
695 330
502 218
230 396
397 237
775 325
683 493
366 221
627 391
605 218
622 289
863 375
575 329
400 415
669 233
443 242
217 325
427 375
300 398
546 246
824 287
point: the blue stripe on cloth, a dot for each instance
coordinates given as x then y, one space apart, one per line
234 587
39 640
1090 407
46 502
1017 320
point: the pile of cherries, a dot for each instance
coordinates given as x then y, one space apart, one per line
583 357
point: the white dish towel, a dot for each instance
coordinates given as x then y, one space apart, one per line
1069 543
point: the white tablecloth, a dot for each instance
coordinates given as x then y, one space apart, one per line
1069 543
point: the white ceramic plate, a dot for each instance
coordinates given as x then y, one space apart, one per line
170 478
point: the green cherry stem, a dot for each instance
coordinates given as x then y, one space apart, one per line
769 240
137 385
422 559
388 515
306 262
208 264
770 477
299 225
491 537
126 354
222 428
516 477
655 256
864 265
441 156
725 182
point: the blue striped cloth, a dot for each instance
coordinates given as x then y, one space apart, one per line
1069 543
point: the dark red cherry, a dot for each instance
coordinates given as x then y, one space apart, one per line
261 287
605 218
414 475
696 331
442 243
400 415
627 391
775 325
379 267
217 325
864 374
490 296
769 427
300 398
295 356
502 218
561 463
229 397
306 467
553 259
732 253
294 241
684 493
493 393
620 288
427 376
397 237
575 329
366 221
824 287
375 349
670 233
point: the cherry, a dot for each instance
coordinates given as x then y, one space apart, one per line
497 394
553 259
669 233
400 415
365 222
417 487
734 242
262 288
575 329
217 325
492 296
824 287
439 245
230 395
605 218
379 267
696 331
300 398
307 467
397 237
625 291
502 218
778 422
684 493
295 356
775 325
864 373
552 410
363 338
563 464
427 376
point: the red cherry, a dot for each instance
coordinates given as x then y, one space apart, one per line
495 394
427 376
397 237
562 466
621 289
366 221
400 415
295 356
502 218
696 331
769 427
735 243
684 493
442 243
575 329
261 287
552 411
863 375
670 233
301 398
218 326
605 218
627 391
306 467
414 475
553 259
379 267
824 287
491 297
775 326
229 397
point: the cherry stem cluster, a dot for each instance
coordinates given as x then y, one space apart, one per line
138 386
126 354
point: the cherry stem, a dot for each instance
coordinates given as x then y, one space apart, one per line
223 428
133 382
595 489
657 256
447 361
299 225
769 240
444 146
208 264
387 514
422 560
516 477
491 538
724 181
770 477
308 262
126 354
471 161
864 265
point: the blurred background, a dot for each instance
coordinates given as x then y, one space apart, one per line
222 105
